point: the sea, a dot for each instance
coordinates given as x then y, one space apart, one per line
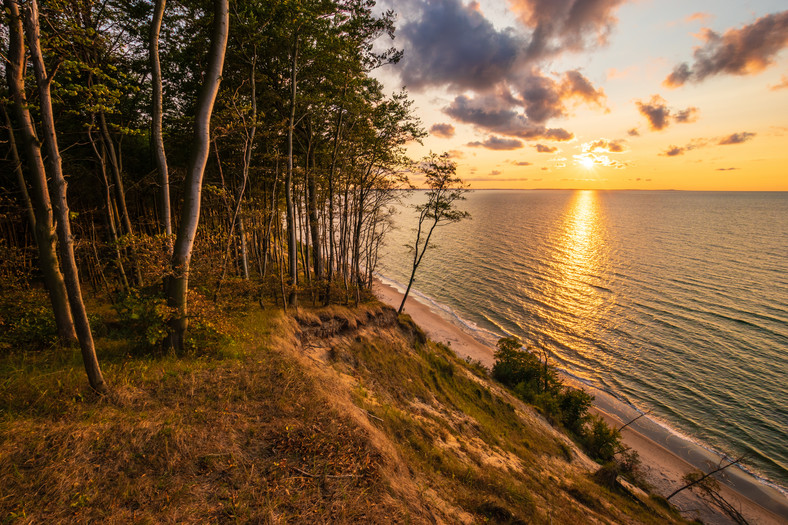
673 302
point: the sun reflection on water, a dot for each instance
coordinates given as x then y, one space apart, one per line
579 257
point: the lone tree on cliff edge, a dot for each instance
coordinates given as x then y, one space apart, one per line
445 189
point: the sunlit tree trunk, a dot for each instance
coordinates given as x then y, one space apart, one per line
60 202
291 226
44 230
177 296
157 140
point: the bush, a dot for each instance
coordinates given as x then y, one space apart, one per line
601 441
523 370
144 316
26 320
574 405
534 381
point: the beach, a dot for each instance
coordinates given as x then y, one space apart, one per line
666 457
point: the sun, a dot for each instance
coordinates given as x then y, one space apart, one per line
587 162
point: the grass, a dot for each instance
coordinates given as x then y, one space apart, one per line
332 415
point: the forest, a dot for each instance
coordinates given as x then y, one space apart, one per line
168 156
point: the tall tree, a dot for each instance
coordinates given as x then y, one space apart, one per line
177 293
445 190
60 201
157 140
44 229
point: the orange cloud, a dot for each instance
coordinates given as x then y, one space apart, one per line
742 51
660 116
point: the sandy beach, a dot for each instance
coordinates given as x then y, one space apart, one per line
665 456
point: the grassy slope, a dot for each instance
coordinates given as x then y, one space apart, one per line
339 416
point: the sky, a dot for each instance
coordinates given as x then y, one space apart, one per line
599 94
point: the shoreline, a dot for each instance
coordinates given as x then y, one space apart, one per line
666 456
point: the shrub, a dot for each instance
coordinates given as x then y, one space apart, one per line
574 405
601 441
144 316
516 368
26 320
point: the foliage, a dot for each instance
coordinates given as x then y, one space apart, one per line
535 381
143 316
601 440
26 320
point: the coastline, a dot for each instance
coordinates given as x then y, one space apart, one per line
665 455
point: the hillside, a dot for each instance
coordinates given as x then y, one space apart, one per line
331 415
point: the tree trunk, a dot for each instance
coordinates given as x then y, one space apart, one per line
101 157
157 140
291 227
20 176
190 209
114 165
331 172
60 203
314 225
44 223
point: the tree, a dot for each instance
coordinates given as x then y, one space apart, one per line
177 293
445 190
157 141
44 227
60 201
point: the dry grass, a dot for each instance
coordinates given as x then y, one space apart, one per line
367 422
247 438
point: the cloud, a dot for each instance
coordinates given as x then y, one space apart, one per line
541 148
545 98
736 138
782 85
604 146
565 25
656 111
660 116
497 143
674 151
687 116
699 17
495 114
455 45
495 173
727 169
740 51
633 132
521 163
442 130
591 159
455 154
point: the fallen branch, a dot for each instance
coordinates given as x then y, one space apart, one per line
696 481
633 420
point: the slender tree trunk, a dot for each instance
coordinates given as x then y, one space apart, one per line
114 164
331 172
44 230
113 231
60 203
20 176
157 140
291 227
417 256
190 209
314 224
